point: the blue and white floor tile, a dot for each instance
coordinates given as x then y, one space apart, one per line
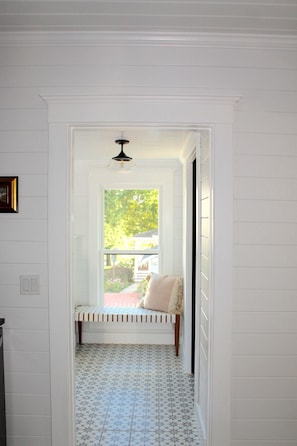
133 395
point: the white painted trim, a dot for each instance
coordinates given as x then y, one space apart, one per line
127 38
60 313
61 115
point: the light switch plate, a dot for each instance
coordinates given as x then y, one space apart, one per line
30 284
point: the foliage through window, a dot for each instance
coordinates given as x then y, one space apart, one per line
131 243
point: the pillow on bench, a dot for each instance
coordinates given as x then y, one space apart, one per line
164 293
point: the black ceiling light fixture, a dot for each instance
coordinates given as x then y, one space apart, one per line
122 158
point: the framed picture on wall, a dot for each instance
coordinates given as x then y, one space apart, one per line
8 194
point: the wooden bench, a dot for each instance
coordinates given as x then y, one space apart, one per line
125 314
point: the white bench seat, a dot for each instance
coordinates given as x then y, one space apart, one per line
85 313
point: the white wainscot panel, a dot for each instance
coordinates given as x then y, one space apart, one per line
11 298
260 166
265 278
157 76
23 119
264 344
33 208
27 383
23 230
265 430
34 362
34 185
266 122
265 256
262 443
265 233
259 387
265 322
21 404
22 98
24 141
27 340
25 318
23 252
265 366
28 425
271 143
29 441
264 300
86 55
24 163
266 188
10 274
277 101
269 408
262 211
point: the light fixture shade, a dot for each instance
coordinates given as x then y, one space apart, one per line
122 157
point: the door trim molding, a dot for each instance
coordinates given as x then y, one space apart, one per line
66 112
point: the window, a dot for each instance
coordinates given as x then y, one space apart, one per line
130 243
144 253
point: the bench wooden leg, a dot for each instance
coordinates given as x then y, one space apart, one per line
79 326
176 333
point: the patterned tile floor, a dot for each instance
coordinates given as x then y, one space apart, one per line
133 395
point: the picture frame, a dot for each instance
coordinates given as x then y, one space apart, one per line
8 194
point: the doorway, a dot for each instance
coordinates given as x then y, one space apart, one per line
66 110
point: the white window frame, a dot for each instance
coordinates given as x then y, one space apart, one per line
101 179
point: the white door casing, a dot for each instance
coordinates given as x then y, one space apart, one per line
64 113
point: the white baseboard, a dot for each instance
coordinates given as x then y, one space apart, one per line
125 333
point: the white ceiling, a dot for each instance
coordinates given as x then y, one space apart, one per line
278 17
145 143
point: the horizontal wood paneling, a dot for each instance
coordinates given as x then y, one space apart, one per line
28 362
180 16
27 404
264 409
17 425
283 256
265 278
116 54
265 429
265 233
273 143
268 188
273 167
264 300
22 141
265 322
264 366
265 387
26 383
265 208
23 230
271 211
265 344
18 252
154 76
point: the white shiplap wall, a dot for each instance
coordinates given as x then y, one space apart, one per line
265 303
265 217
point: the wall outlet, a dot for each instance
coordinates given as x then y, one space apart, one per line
30 284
